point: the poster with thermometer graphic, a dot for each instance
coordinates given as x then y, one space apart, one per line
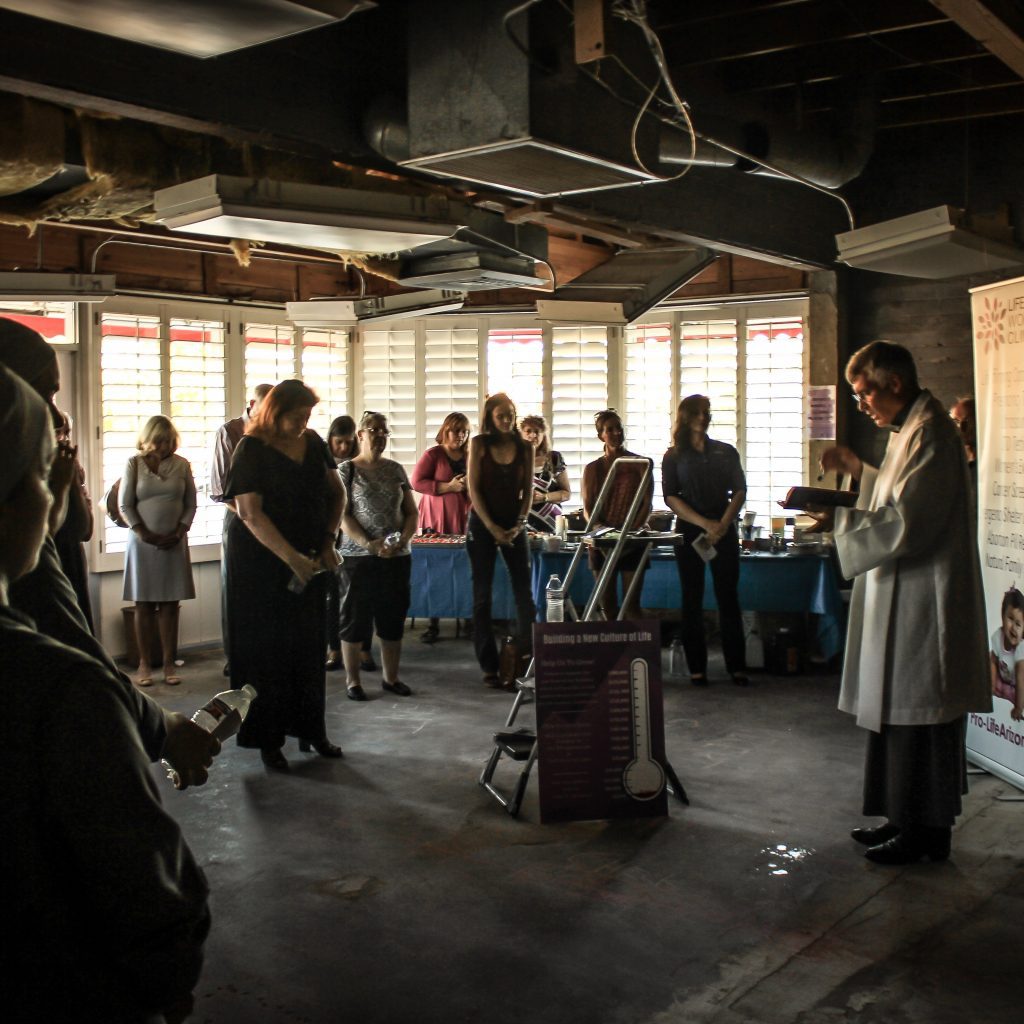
995 740
600 723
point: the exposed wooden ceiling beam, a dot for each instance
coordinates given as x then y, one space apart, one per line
764 32
967 106
997 25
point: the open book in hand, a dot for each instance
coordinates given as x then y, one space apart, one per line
818 497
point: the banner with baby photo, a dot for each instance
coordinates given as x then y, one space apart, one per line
995 741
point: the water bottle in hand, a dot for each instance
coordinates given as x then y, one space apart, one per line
221 716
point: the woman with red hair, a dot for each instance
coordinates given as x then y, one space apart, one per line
286 490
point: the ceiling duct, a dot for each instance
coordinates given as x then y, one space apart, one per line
481 109
936 243
626 286
828 157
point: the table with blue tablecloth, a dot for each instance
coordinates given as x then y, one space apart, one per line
785 583
802 583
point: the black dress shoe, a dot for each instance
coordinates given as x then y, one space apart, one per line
325 748
911 846
397 687
356 692
875 836
274 759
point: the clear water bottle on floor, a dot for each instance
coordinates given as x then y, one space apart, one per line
675 657
221 716
555 594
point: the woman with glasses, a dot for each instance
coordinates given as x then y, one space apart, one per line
550 477
704 484
379 521
288 497
500 473
440 476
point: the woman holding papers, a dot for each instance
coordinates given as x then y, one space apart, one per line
704 485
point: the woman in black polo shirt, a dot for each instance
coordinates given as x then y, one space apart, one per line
704 485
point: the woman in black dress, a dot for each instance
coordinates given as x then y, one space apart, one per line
289 499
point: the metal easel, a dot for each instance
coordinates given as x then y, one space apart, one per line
520 745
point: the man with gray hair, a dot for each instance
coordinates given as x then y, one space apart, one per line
915 653
224 446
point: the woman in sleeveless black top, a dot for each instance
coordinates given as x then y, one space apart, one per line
499 474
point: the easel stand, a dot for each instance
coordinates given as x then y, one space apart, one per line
520 745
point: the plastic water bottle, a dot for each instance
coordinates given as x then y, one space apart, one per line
555 600
221 716
675 658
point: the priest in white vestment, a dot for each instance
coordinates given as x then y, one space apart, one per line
915 651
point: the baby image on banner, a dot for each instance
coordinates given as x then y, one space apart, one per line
995 741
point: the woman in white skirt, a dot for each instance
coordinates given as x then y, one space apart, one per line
158 502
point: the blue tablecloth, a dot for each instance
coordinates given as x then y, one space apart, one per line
800 583
442 586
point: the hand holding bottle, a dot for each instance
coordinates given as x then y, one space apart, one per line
188 750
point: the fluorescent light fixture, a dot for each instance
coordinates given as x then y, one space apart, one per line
579 312
308 216
349 312
931 244
42 287
194 27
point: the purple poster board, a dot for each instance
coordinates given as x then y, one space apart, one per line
600 722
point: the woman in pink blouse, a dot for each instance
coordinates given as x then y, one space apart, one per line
440 477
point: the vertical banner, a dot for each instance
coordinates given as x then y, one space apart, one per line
996 741
600 723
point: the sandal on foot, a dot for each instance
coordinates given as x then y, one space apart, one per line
172 680
143 681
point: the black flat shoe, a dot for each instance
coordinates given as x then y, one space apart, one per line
911 847
356 692
325 748
366 662
430 635
699 679
875 836
397 687
274 759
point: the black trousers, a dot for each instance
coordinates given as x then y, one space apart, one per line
334 596
725 576
483 550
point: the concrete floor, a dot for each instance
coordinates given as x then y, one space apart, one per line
389 887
